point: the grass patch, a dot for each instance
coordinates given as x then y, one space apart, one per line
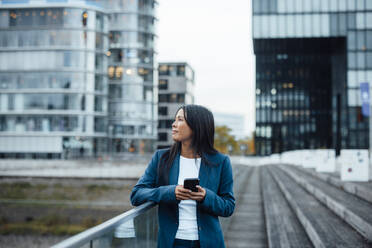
36 228
25 190
48 225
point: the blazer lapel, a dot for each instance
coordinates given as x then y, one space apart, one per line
203 174
174 171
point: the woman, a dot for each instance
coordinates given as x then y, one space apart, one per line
186 218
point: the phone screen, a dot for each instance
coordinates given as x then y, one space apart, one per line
190 183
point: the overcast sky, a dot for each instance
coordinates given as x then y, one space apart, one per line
214 37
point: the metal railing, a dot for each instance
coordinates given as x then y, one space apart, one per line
134 228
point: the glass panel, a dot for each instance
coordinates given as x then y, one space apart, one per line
291 25
317 6
352 79
299 26
369 60
351 5
256 6
360 4
307 6
140 232
281 26
361 60
256 27
4 19
361 45
369 20
351 21
298 6
325 5
351 40
334 25
291 6
360 20
282 6
342 5
342 23
307 25
317 25
325 25
265 26
352 97
369 40
351 59
368 5
273 26
265 6
369 77
362 77
333 5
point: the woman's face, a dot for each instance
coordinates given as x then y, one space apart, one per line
181 132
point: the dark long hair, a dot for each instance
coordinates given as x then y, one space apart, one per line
201 122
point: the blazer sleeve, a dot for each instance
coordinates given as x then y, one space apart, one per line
146 188
221 203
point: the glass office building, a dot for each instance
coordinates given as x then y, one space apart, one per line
311 56
59 61
132 102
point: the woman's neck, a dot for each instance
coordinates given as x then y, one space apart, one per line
187 151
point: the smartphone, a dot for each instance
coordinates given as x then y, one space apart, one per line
190 183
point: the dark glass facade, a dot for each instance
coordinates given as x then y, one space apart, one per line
311 57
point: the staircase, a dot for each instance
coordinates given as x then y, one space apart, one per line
288 206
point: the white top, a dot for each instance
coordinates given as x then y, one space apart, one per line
188 226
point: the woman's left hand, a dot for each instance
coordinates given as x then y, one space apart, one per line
198 196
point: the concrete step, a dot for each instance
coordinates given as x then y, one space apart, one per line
282 226
360 189
323 227
247 228
240 174
350 208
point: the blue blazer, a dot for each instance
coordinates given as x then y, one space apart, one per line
219 200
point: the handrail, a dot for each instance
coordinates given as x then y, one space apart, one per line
95 232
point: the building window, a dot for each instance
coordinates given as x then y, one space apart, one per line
162 136
180 70
163 84
165 123
163 70
163 98
163 110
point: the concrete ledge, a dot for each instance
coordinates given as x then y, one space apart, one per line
282 226
311 232
359 222
324 228
353 188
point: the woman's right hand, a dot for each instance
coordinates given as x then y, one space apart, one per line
182 193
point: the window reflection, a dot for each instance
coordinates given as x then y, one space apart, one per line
40 124
34 80
25 60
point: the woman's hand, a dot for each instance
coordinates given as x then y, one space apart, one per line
198 196
182 193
